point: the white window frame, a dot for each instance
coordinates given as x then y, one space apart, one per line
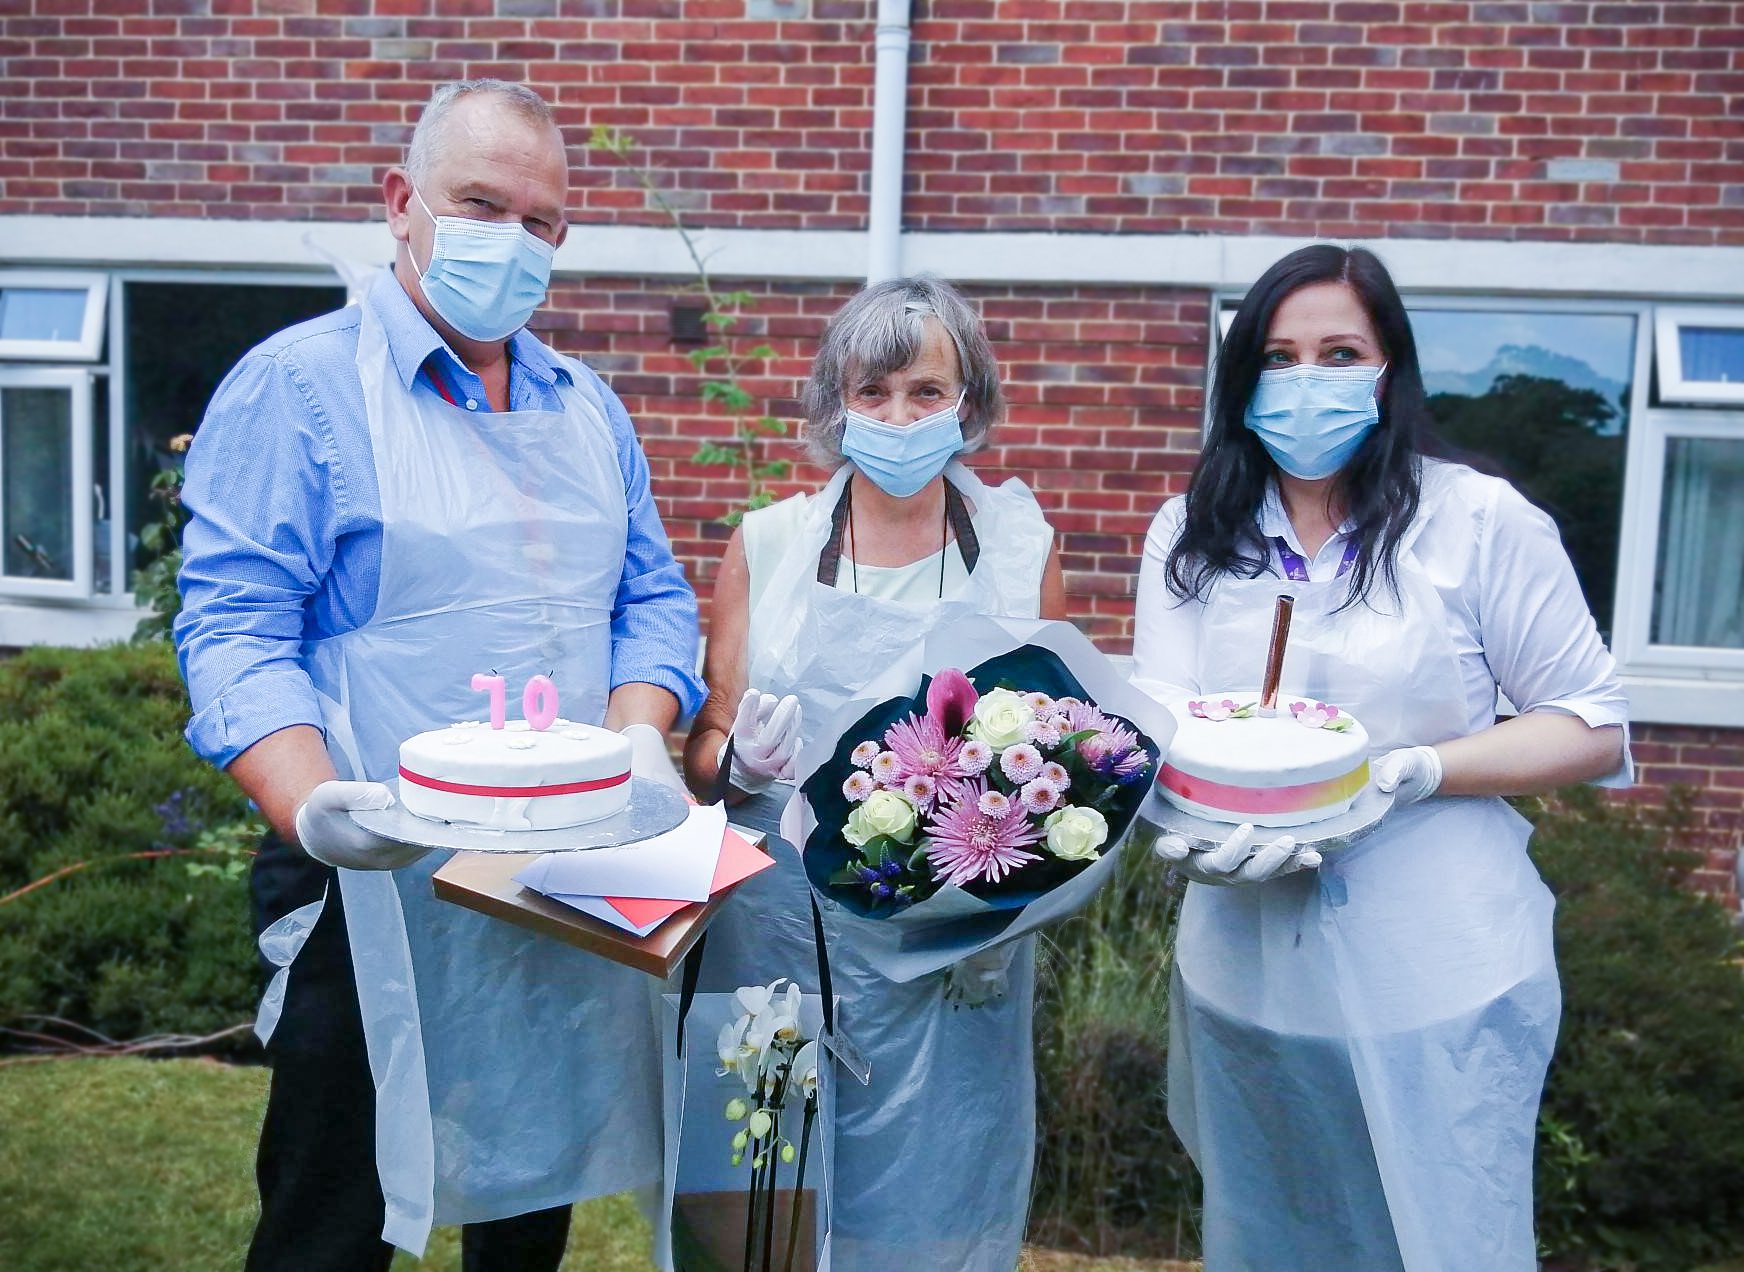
1669 321
89 346
77 382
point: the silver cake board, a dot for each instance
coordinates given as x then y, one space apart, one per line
1364 816
654 809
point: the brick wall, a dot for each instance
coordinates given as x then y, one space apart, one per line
1587 121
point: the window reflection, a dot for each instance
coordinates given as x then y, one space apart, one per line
36 483
1699 588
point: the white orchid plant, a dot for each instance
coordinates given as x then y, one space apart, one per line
768 1051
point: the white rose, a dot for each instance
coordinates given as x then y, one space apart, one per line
1074 834
882 813
1001 719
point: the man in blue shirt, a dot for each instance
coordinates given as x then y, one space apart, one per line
384 500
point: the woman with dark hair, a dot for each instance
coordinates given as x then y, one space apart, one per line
1357 1045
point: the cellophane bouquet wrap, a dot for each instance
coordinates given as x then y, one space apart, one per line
989 800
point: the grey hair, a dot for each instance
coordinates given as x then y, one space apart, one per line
881 331
427 136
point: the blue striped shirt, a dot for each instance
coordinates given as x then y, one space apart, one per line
284 544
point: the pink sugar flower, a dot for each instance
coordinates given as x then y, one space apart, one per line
1021 762
920 745
1313 716
967 843
858 787
1220 709
1039 796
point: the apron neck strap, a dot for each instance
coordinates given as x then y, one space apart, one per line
956 513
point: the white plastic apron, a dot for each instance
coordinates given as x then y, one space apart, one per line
933 1159
512 1072
1357 1053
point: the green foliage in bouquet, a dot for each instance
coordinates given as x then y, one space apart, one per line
869 852
1641 1135
123 906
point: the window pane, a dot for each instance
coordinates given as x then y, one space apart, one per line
1699 586
1541 399
36 482
181 341
1714 355
102 505
40 313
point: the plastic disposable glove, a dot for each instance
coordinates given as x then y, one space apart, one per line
649 757
327 833
765 740
1408 774
1238 859
982 977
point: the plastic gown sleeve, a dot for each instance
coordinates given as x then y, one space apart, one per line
1165 642
1539 637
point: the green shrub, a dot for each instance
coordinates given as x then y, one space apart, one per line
95 772
1641 1144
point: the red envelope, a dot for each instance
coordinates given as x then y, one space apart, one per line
739 860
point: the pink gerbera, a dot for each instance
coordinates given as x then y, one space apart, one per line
966 844
919 742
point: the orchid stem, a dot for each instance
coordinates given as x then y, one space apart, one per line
799 1185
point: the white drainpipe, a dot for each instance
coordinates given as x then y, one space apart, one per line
889 115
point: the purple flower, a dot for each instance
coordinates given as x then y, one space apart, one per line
921 746
950 701
966 843
1083 716
1115 754
1021 762
1039 796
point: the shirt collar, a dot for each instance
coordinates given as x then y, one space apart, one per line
1274 522
412 341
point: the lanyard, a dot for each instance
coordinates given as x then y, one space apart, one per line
1296 569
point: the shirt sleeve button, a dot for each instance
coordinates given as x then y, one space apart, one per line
472 404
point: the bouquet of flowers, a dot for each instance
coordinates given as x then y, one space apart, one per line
982 805
998 793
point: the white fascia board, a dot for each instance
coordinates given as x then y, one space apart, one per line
75 626
1691 701
1213 261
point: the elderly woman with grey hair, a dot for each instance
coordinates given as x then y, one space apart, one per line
932 1159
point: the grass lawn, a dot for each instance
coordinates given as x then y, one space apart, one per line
142 1165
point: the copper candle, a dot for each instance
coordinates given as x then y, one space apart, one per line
1275 655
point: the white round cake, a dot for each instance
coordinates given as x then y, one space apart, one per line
516 777
1228 763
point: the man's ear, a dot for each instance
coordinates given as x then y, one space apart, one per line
397 197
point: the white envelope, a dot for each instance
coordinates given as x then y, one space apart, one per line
676 866
601 909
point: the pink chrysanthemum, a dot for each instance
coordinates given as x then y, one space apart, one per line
858 786
1056 773
974 758
864 754
993 804
967 843
887 768
1020 762
1039 703
1081 716
921 746
1043 733
922 789
1039 796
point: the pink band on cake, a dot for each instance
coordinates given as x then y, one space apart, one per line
1247 799
513 792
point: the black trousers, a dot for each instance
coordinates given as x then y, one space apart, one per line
321 1207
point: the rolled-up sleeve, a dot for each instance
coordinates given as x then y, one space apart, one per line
1538 635
261 490
655 632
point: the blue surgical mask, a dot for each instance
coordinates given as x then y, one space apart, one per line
485 278
1312 419
901 460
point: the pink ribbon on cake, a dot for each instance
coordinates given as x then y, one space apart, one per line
513 792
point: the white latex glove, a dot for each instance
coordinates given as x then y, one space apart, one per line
327 833
1408 774
765 740
1238 859
982 977
649 757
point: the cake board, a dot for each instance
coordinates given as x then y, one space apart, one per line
1156 817
653 810
485 883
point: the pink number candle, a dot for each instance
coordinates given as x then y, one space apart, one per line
497 687
539 702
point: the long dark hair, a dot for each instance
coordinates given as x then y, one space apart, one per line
1378 488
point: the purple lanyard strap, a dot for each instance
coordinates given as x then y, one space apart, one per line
1296 569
